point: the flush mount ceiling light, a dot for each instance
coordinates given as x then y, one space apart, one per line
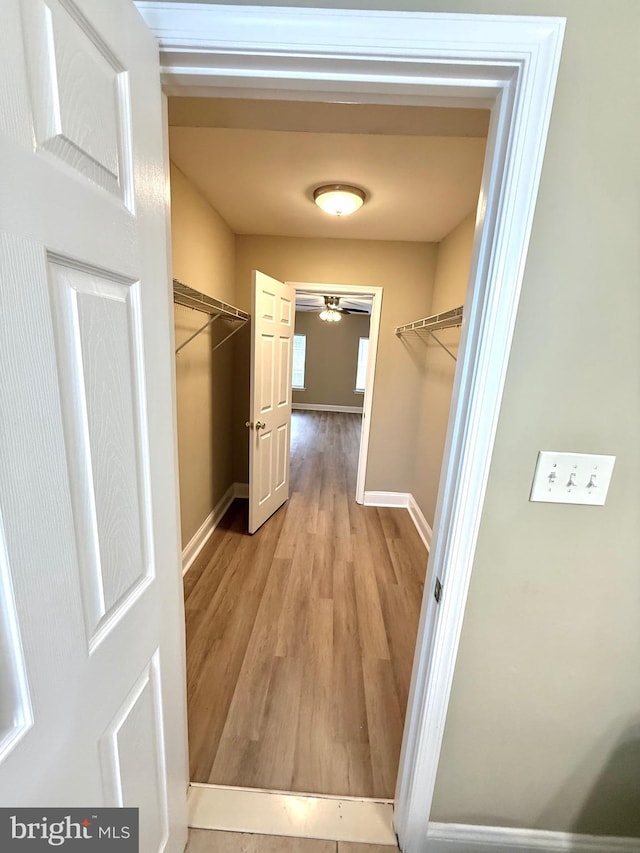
339 199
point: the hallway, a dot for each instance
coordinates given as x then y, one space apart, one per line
300 638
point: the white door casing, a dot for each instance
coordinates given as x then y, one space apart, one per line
92 675
272 324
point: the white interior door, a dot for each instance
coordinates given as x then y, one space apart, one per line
272 317
92 708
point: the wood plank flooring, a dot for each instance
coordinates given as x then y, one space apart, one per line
300 638
213 841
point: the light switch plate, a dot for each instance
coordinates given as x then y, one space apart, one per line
572 478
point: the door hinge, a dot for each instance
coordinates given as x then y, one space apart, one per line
437 591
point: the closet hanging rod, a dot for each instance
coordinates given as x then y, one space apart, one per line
445 320
217 310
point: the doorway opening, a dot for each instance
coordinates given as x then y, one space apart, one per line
342 359
312 707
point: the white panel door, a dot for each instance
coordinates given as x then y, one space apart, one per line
272 317
92 685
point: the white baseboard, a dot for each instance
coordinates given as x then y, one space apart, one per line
405 500
421 523
325 407
241 490
467 838
400 499
202 534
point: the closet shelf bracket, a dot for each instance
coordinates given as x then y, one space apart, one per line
217 310
446 349
434 323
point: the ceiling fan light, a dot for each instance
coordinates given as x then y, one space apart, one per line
339 199
330 315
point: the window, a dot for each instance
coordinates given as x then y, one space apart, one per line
361 370
297 366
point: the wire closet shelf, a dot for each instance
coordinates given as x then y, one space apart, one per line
217 310
436 322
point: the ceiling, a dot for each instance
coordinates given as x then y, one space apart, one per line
318 117
258 162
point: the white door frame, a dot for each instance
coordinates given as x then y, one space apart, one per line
507 63
374 332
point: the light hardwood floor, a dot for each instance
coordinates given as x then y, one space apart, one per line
300 638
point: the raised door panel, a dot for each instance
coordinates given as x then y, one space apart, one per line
265 464
98 341
77 86
268 305
131 755
282 456
286 310
267 371
284 371
16 715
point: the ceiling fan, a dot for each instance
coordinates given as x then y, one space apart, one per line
332 303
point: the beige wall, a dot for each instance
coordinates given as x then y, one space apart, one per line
405 270
203 257
449 291
544 722
331 358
